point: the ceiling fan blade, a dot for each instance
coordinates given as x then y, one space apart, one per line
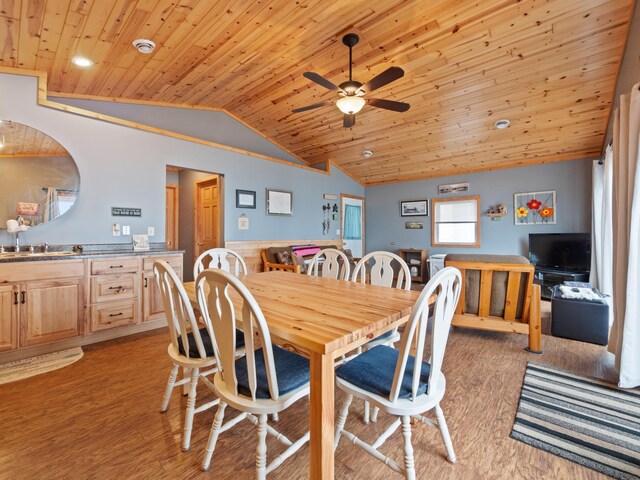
349 120
326 103
389 105
389 75
320 80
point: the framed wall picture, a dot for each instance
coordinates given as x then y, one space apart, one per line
245 199
414 208
279 202
534 208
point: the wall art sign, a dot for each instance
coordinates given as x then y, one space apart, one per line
534 208
414 225
245 199
453 188
126 212
414 208
279 202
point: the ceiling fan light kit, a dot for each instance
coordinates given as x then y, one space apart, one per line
350 104
351 92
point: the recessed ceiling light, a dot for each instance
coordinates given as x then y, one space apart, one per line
367 154
504 123
143 45
81 62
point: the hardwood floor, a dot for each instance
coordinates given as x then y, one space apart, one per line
99 418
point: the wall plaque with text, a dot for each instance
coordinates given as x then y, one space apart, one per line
126 212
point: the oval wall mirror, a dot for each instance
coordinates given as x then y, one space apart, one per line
39 181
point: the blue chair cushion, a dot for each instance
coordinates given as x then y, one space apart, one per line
206 342
374 369
292 371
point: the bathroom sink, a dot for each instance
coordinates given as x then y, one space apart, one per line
28 254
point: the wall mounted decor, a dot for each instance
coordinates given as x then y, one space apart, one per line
279 202
245 199
414 225
414 208
496 212
453 188
534 208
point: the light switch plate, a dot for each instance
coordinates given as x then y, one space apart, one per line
115 228
151 231
126 230
338 231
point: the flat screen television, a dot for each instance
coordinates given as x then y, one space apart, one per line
570 252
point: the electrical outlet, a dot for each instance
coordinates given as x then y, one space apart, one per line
338 231
126 230
115 228
151 231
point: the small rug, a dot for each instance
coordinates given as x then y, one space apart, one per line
29 367
582 419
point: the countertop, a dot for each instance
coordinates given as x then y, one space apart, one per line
26 256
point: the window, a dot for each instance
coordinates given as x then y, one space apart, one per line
455 222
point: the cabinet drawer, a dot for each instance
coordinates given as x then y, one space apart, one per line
113 314
105 288
114 265
174 260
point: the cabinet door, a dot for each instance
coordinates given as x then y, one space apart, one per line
51 310
153 307
8 317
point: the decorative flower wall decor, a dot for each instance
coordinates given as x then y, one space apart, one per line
535 208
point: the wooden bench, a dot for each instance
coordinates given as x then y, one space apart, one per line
498 294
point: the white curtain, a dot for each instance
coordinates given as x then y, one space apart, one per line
601 225
624 340
51 205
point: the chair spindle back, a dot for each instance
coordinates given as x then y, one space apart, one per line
446 285
218 294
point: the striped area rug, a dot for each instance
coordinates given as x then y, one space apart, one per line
29 367
582 419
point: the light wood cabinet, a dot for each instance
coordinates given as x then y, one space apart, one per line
50 310
153 307
44 303
9 301
114 292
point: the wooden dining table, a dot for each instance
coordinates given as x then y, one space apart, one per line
322 319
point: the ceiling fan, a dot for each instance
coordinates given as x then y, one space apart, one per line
351 92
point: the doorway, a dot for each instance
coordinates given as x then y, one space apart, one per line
172 208
207 215
199 213
352 223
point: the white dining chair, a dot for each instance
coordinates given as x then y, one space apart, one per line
221 258
190 346
265 381
377 268
329 263
391 380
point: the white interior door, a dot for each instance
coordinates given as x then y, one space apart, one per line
352 224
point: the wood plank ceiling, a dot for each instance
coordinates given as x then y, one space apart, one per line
549 66
20 140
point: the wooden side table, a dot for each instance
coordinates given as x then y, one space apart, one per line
416 258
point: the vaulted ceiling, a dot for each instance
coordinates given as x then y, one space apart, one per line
549 66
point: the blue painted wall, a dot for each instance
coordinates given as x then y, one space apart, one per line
571 180
125 167
205 124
